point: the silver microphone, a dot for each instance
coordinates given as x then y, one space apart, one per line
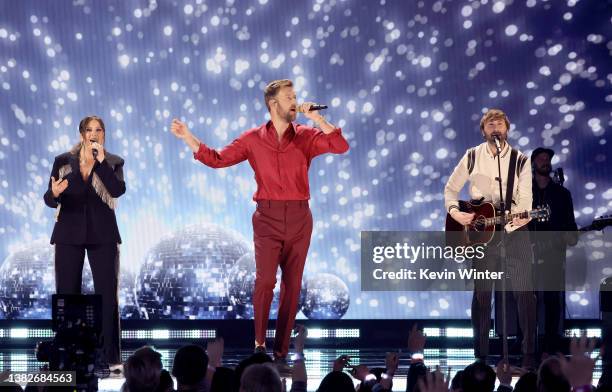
497 142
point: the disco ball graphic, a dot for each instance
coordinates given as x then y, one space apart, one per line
186 274
327 297
128 307
27 281
242 284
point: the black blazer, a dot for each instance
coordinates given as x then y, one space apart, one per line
85 213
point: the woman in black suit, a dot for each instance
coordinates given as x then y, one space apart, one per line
84 186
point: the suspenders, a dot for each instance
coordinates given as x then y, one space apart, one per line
516 166
510 183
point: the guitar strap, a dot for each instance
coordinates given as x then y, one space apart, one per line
510 183
471 159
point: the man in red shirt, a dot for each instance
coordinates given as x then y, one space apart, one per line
280 152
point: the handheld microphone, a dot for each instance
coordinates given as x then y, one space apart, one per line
313 107
94 151
317 107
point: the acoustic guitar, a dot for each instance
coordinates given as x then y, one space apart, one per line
486 220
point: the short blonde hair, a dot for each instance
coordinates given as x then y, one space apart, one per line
273 87
494 114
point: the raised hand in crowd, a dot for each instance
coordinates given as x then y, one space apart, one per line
503 372
578 369
434 382
340 363
391 364
214 349
416 340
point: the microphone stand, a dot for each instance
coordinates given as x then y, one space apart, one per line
502 252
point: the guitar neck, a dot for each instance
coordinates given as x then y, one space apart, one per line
503 219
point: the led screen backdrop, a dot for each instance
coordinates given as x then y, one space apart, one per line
406 80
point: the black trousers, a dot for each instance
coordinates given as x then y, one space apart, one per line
519 259
550 268
104 263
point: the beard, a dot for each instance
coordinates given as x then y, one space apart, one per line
289 115
491 138
544 170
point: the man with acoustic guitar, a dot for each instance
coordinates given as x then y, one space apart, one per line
479 166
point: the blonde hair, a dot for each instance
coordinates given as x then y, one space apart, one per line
272 89
494 114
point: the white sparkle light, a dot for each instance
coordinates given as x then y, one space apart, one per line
499 6
124 60
442 153
425 61
511 30
240 66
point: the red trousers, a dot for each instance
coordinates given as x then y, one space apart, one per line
281 232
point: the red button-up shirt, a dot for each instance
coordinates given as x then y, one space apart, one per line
281 168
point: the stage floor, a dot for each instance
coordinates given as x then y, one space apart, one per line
318 362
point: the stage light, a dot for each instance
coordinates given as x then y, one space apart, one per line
19 333
432 332
593 333
194 334
578 332
160 334
317 333
458 352
169 334
324 333
459 332
19 362
346 333
40 333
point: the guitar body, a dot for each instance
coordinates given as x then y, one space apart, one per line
476 233
482 228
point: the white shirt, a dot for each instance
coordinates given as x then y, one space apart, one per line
483 182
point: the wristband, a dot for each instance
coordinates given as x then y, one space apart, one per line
417 356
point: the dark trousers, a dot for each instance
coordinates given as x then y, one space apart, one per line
552 304
519 258
104 263
281 232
